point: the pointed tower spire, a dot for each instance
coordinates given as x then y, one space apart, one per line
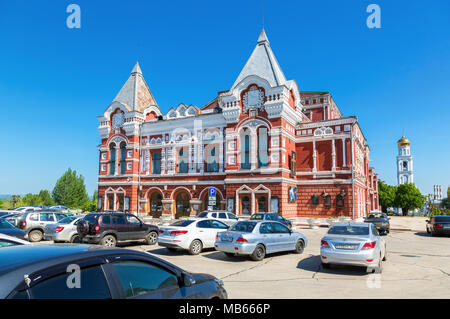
135 94
262 63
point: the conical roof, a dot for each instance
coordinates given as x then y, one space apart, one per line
263 63
135 94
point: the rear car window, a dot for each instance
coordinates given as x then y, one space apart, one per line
182 223
91 218
245 227
257 217
442 219
349 230
203 214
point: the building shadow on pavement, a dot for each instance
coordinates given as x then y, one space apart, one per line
313 264
179 252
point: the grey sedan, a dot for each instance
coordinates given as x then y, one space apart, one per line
258 238
357 244
64 231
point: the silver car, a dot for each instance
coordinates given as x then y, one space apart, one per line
63 231
357 244
34 223
258 238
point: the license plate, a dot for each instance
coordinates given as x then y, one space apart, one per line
447 226
229 239
349 247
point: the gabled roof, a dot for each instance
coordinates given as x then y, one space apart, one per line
263 63
135 94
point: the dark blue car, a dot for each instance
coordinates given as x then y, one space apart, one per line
44 271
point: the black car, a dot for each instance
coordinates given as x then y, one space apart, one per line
54 271
271 216
379 220
438 225
7 228
109 228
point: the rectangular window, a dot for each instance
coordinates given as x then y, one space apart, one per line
156 163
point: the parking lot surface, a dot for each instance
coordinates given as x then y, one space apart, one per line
417 266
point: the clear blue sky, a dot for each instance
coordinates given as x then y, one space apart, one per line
54 81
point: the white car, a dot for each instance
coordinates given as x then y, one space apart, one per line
191 234
6 240
226 217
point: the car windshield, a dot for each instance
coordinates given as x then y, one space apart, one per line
257 217
67 220
203 214
5 224
442 219
376 216
245 227
182 223
349 230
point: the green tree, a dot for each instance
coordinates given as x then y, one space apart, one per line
408 197
386 194
70 190
30 200
46 198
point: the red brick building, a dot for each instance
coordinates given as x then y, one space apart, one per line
262 146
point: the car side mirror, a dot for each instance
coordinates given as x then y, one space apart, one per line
187 280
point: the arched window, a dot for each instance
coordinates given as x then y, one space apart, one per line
112 159
263 143
156 204
245 149
123 158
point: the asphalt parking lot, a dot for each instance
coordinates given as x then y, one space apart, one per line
417 266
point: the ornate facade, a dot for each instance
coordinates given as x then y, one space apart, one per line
262 146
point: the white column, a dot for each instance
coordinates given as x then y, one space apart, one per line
115 204
344 159
221 155
253 149
253 204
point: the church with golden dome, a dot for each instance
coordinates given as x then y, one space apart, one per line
405 174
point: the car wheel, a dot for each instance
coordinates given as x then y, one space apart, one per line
152 238
230 254
299 247
428 230
75 239
196 247
35 235
385 254
108 241
259 253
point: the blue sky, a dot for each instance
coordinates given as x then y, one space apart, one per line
54 81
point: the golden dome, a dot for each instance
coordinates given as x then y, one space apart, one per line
403 141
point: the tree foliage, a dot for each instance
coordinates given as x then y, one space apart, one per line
70 190
408 197
386 194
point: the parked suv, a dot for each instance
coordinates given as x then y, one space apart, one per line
271 216
109 228
225 217
34 223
